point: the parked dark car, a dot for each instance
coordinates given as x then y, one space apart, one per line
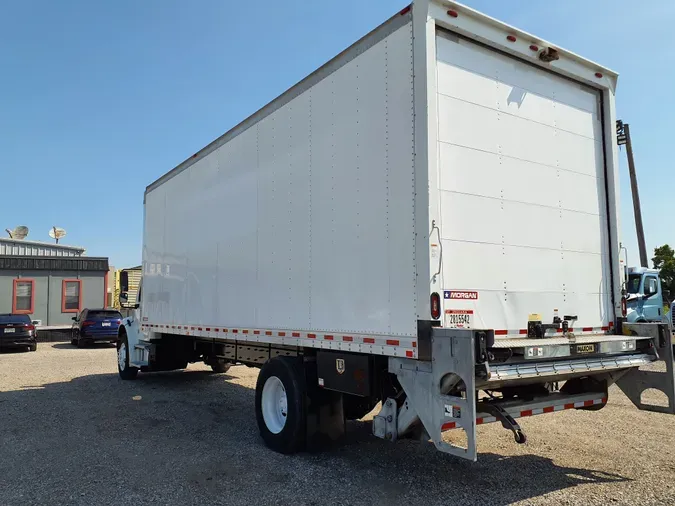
17 331
95 326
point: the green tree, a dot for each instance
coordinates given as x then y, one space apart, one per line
664 260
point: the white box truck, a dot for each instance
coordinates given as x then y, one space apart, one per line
428 223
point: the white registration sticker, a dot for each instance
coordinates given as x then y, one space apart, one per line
458 318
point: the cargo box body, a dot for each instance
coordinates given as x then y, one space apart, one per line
434 156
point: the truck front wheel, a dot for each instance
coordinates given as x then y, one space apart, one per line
280 404
125 371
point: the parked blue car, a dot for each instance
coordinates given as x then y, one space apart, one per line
95 326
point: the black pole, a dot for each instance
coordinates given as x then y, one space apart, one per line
644 261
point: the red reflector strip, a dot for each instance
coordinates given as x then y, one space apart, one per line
235 331
369 340
392 342
448 426
569 406
588 403
527 412
347 339
268 333
409 353
192 328
208 329
605 329
501 332
328 337
414 344
479 421
603 400
199 328
256 332
296 334
587 329
611 324
311 336
549 409
523 332
245 331
225 330
282 334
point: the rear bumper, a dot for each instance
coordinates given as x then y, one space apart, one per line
17 342
107 337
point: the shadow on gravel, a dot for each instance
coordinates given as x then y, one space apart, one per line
9 351
191 437
93 346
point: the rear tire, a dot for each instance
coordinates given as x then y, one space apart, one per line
125 371
220 367
281 405
32 347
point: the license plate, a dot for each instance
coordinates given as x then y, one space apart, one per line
582 349
10 331
458 318
105 324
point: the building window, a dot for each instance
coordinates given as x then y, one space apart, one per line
23 298
71 295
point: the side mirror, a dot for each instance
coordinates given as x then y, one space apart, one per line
124 301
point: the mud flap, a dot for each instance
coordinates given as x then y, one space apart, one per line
634 382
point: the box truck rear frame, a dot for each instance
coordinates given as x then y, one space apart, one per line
429 379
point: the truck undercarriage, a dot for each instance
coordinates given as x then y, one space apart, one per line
468 380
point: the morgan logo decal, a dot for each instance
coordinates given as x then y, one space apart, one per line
340 365
458 294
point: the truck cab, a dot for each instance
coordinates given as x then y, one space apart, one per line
644 295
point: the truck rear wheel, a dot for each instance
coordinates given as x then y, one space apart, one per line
280 404
220 366
125 371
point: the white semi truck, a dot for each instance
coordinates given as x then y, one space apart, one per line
429 223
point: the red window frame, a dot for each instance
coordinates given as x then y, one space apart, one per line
63 296
32 296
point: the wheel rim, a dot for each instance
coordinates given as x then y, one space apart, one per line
274 405
122 356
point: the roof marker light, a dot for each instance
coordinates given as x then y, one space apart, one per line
511 38
452 14
598 75
534 48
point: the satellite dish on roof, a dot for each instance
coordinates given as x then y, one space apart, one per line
18 233
57 233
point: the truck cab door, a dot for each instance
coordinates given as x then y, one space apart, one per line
652 299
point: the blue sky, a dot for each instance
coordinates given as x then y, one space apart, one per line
98 99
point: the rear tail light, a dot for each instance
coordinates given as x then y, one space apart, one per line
86 323
435 306
118 322
624 308
29 326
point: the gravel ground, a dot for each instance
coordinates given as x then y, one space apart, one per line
72 433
